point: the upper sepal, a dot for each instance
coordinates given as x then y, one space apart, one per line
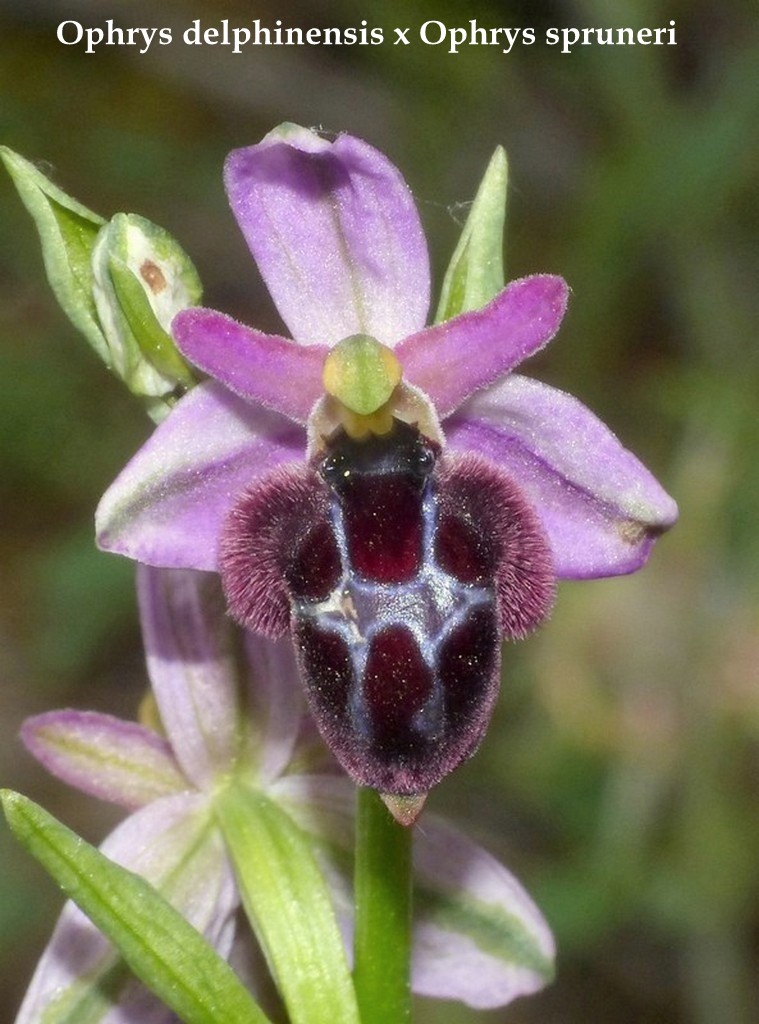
479 937
111 759
333 228
191 654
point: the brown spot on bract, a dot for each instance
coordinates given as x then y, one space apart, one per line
153 277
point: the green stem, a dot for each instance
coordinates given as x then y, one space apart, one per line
382 943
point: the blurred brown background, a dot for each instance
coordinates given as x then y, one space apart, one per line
620 779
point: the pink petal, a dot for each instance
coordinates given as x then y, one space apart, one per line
114 760
167 505
275 706
191 651
601 508
261 368
452 360
335 233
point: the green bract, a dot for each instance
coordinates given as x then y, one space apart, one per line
160 947
288 903
68 232
475 273
120 283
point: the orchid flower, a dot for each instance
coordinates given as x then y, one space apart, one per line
397 590
166 781
226 720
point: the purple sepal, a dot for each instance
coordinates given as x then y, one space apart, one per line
111 759
335 233
600 507
191 656
452 360
166 507
153 841
262 368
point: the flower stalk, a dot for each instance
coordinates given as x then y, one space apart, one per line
383 899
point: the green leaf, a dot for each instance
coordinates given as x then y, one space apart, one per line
475 273
287 900
67 232
157 943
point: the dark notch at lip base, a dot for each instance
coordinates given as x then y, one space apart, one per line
402 450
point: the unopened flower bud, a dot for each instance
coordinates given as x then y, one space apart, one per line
142 278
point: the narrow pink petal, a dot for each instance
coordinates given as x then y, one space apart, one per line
261 368
191 651
114 760
601 508
167 505
452 360
171 843
479 938
275 706
335 233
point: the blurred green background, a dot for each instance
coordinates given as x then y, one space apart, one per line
620 778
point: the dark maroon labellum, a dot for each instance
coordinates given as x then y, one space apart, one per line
398 571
